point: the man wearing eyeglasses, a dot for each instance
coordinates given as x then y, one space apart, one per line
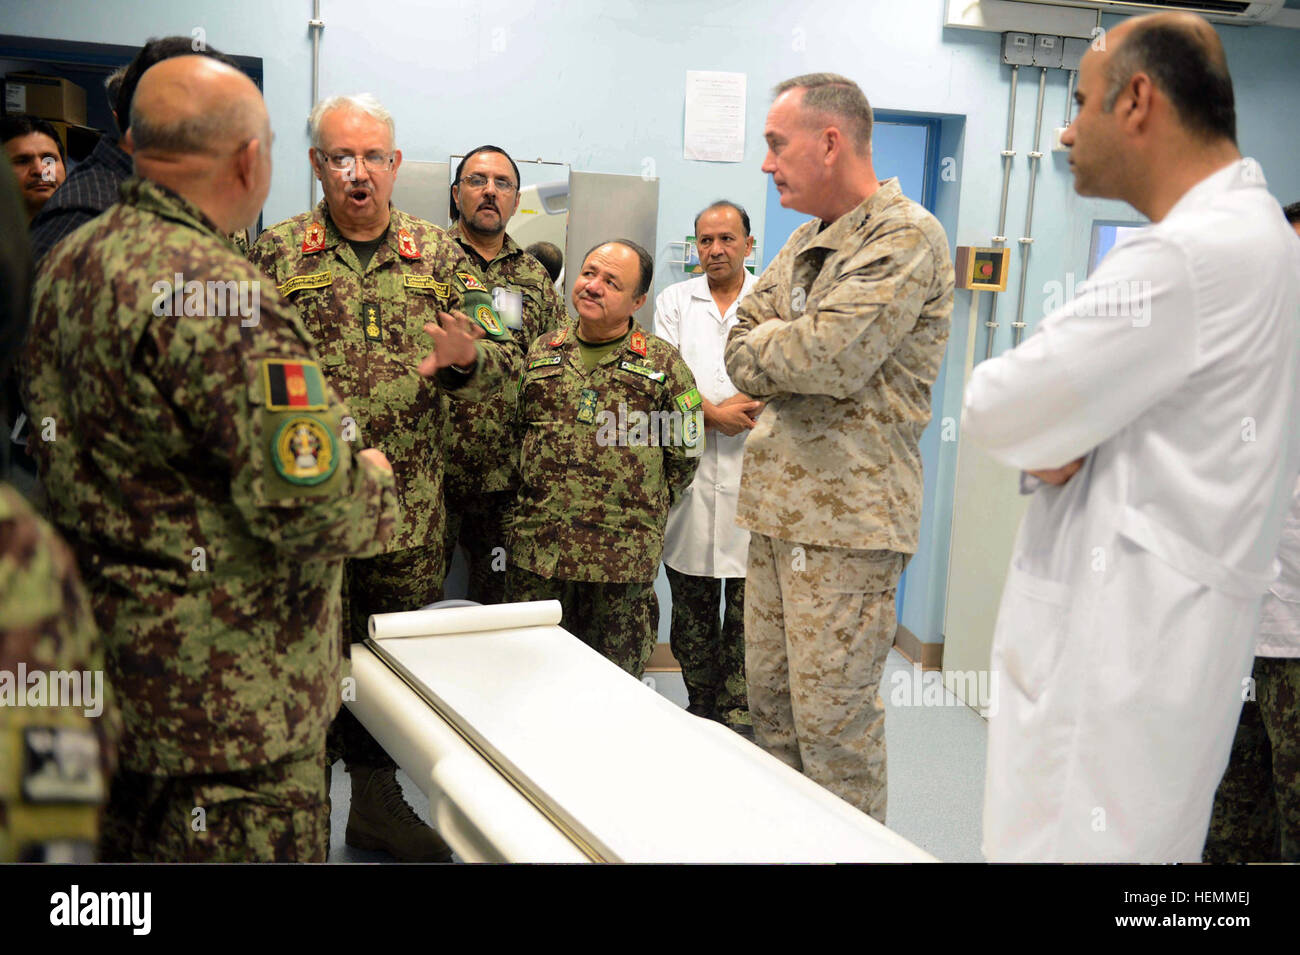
480 481
369 282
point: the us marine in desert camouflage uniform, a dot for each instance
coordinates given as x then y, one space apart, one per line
367 279
599 470
192 456
843 336
481 450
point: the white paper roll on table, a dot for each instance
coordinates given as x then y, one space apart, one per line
431 623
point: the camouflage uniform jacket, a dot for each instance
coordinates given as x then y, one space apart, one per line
480 445
369 329
843 335
597 478
209 498
55 760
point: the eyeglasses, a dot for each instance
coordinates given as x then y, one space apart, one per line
375 162
476 181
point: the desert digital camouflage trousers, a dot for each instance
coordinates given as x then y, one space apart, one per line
1256 814
273 813
711 650
819 622
619 621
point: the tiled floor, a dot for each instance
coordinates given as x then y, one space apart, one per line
936 773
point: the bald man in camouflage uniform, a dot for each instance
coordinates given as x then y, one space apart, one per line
843 336
191 452
480 484
598 473
367 279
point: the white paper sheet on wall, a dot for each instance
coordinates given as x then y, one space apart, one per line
715 116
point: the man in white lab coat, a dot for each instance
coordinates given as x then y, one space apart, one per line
702 544
1159 408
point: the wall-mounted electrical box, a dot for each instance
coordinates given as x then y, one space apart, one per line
1047 50
984 270
1072 52
1018 49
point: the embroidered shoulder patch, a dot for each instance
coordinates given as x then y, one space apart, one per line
689 400
300 282
545 362
558 338
293 385
470 282
484 315
638 343
642 370
304 451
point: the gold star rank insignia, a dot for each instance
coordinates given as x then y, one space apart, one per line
406 246
587 407
370 321
314 240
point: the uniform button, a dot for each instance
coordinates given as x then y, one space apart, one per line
717 487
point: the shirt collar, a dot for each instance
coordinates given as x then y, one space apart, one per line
156 198
833 236
508 246
699 286
1238 174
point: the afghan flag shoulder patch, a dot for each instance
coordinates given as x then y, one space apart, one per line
689 400
293 385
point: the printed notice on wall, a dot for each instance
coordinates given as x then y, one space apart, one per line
715 116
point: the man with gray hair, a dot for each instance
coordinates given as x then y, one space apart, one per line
368 280
842 337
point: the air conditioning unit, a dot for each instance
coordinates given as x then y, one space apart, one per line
1240 12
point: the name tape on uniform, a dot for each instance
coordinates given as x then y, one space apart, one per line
299 282
441 289
545 362
642 370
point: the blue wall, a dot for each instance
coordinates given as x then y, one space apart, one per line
599 84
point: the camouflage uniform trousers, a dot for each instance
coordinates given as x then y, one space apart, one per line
1256 814
272 813
711 650
819 622
406 579
619 621
477 521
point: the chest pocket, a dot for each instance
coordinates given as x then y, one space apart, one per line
541 395
641 393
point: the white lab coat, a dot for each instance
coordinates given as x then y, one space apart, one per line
1127 621
701 537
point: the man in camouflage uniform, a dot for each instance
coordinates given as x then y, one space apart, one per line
843 336
55 759
479 488
191 450
367 279
1256 816
598 466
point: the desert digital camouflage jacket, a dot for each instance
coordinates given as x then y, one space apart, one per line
843 336
193 461
368 326
604 454
481 451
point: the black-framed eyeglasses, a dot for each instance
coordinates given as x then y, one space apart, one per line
477 181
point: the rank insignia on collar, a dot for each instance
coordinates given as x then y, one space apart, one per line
638 343
314 240
558 338
470 282
406 246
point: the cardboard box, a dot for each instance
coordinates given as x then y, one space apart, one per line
45 96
